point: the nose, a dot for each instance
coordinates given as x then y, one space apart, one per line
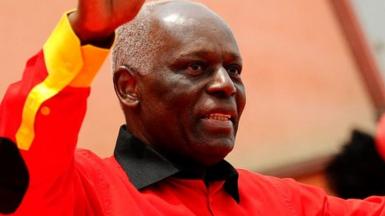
221 83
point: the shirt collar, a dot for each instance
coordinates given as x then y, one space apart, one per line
145 166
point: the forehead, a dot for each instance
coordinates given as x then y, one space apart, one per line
193 28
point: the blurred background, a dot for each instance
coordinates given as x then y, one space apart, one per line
313 71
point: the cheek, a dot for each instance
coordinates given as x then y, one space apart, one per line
178 93
171 103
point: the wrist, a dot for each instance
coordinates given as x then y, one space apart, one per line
87 34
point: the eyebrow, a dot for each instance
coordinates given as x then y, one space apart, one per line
207 54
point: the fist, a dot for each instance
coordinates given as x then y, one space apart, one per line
95 20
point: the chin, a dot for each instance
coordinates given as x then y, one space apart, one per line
209 160
215 152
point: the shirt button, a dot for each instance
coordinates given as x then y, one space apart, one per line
45 110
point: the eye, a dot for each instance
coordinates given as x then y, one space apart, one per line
196 68
234 70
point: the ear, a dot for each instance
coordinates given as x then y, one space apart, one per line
125 86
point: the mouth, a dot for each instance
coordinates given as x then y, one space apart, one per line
219 122
219 117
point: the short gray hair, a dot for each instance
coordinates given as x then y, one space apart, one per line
136 42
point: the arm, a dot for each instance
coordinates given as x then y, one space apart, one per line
43 112
309 200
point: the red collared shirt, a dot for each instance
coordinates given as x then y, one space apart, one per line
43 113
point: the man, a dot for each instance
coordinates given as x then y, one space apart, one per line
357 171
177 76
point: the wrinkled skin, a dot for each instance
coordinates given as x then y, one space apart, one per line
195 74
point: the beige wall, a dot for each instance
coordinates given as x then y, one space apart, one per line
304 91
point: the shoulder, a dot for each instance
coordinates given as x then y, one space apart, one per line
260 179
84 157
287 187
262 184
90 165
283 191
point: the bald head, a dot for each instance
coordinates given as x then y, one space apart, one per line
182 70
139 41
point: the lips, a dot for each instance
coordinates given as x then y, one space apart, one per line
219 113
219 117
219 121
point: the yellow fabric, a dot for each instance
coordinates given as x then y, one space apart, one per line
68 64
93 58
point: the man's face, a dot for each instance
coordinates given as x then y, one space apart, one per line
192 100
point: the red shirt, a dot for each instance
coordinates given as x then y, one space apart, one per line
43 113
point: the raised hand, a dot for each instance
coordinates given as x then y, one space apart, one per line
96 20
